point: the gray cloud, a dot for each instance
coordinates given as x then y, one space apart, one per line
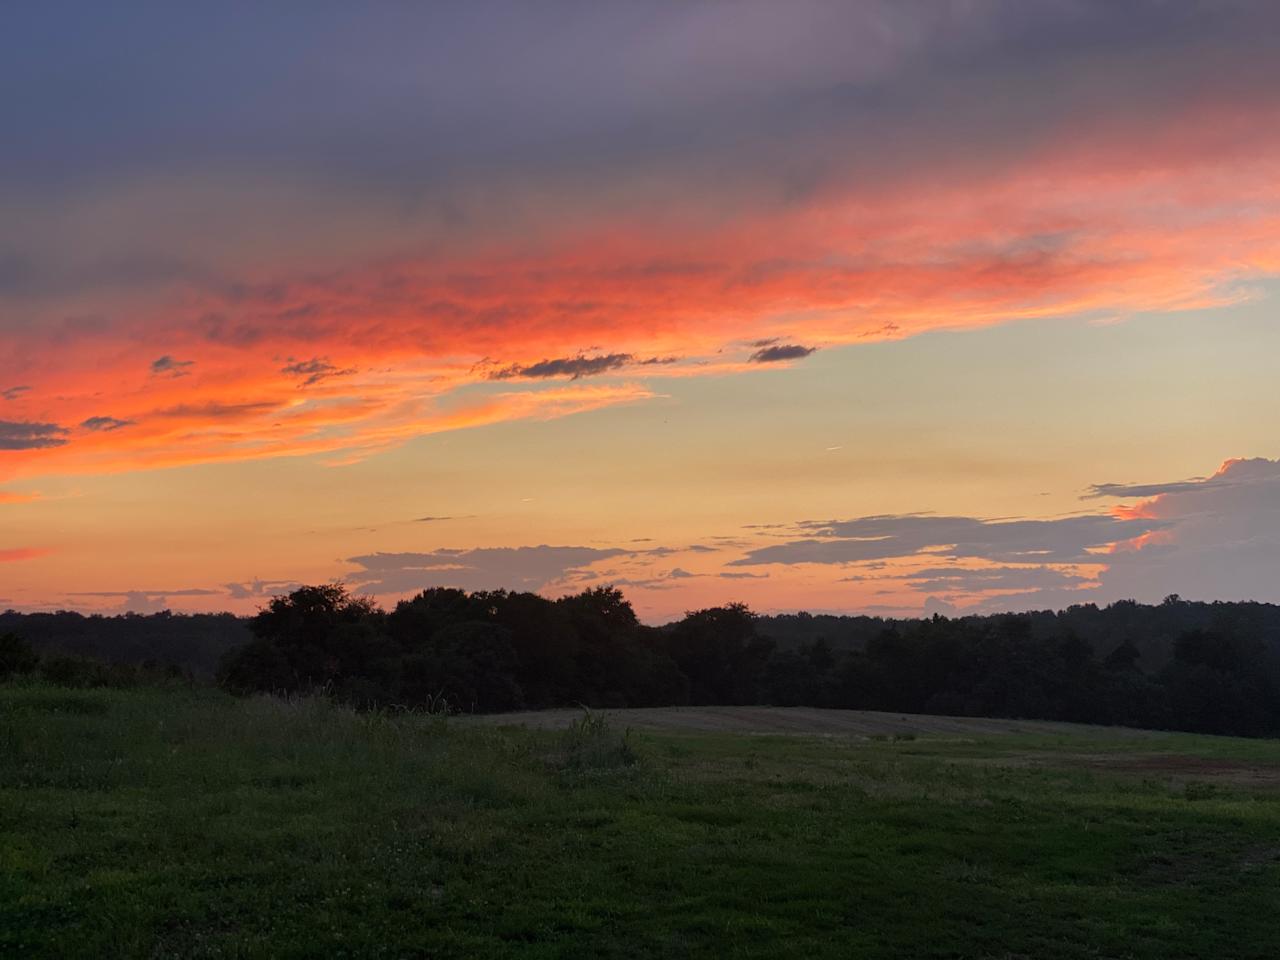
260 588
314 370
166 366
1222 541
668 551
29 435
783 351
961 580
484 568
660 581
1066 540
1233 473
214 410
106 423
440 103
1212 538
572 367
493 80
13 393
1142 489
146 601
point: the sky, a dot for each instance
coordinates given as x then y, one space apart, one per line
882 307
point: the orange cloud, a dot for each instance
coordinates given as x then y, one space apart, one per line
347 360
346 429
1154 538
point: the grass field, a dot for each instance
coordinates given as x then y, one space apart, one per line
183 823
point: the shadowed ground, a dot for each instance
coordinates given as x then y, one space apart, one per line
183 823
803 720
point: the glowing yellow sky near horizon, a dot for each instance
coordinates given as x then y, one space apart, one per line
970 424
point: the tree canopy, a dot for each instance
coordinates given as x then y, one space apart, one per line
1178 665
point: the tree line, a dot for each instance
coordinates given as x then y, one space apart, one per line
1202 667
499 650
195 643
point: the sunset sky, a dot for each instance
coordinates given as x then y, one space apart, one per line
892 307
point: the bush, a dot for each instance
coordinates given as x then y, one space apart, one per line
591 744
16 656
66 671
82 672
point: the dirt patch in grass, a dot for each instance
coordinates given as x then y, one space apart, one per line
1179 766
802 721
1194 773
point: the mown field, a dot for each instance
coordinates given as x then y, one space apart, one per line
184 823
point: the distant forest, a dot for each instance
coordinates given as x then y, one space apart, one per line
1207 667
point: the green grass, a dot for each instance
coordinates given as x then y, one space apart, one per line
183 823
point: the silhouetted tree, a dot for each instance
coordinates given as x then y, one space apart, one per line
311 637
1123 657
1220 683
469 666
720 652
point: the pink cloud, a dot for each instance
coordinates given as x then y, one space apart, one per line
18 554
